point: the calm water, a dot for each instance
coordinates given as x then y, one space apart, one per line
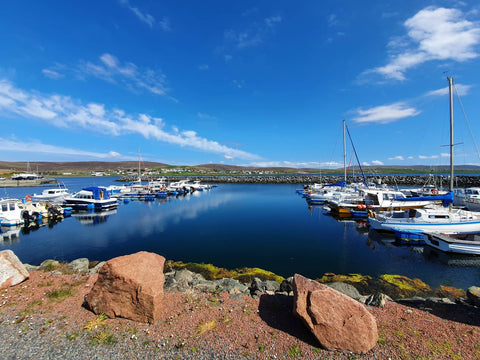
235 225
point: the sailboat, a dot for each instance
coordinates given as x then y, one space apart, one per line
432 220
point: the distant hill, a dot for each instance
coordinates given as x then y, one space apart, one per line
45 167
76 166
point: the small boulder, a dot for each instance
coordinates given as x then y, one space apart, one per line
129 286
12 271
80 265
346 289
377 300
337 321
473 295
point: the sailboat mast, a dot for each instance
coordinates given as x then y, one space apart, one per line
450 91
344 155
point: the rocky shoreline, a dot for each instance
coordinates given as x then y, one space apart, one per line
179 278
46 317
413 180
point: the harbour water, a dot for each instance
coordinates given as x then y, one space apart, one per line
235 225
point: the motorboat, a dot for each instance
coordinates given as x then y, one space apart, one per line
431 220
459 244
33 211
54 195
91 198
10 212
379 200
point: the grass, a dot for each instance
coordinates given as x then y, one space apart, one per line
103 338
294 351
60 294
206 326
99 322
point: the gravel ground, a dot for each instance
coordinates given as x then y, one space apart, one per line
43 318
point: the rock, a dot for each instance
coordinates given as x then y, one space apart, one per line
12 271
31 267
345 289
473 295
129 286
96 268
377 300
337 321
80 265
286 285
258 286
49 264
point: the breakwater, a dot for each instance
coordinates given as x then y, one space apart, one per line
416 180
27 183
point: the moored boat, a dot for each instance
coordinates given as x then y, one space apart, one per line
459 244
93 197
10 212
54 195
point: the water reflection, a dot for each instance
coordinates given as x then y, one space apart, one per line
437 256
10 234
93 218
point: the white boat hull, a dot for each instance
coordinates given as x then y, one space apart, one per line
452 245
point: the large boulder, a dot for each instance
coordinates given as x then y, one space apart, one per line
337 321
129 286
12 271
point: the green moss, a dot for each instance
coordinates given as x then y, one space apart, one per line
399 286
211 272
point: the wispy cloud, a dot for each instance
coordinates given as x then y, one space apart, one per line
432 34
37 147
399 158
385 114
109 68
254 34
374 162
295 164
462 90
63 111
147 18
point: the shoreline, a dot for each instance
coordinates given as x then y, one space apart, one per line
410 180
44 318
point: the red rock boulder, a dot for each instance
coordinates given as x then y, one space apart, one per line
337 321
130 287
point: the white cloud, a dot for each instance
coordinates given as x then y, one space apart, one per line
37 147
423 157
462 90
253 35
399 158
147 18
295 164
432 34
385 114
377 162
128 74
62 111
52 74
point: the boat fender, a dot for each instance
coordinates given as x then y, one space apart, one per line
434 191
28 198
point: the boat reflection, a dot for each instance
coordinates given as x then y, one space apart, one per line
438 256
10 234
93 218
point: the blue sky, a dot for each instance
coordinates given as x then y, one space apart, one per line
238 82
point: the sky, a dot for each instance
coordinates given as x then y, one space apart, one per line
239 82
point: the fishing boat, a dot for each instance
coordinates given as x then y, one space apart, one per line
459 244
10 212
91 198
437 219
